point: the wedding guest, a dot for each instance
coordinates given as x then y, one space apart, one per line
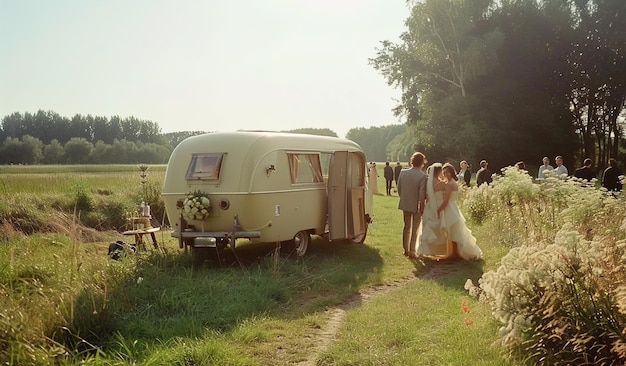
483 175
373 174
560 170
396 172
585 171
611 177
545 167
465 174
388 174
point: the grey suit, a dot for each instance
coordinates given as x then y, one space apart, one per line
412 191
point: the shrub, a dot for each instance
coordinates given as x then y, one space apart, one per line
559 297
114 213
83 200
479 203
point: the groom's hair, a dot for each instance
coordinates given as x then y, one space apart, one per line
417 159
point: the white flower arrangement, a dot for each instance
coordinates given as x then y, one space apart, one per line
196 206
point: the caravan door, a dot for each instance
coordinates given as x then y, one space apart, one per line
346 196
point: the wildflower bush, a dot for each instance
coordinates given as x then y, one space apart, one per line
560 292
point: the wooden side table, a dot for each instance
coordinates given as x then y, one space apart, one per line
139 233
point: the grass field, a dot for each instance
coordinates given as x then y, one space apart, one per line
65 302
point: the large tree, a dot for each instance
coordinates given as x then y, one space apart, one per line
512 79
597 75
77 150
444 50
374 141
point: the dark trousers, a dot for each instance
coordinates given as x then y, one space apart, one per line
389 184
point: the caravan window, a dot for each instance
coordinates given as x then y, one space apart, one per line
204 166
305 168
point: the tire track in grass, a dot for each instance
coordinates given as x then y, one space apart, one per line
323 337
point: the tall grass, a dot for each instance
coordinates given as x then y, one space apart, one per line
102 195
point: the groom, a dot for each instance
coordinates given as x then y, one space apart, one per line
412 191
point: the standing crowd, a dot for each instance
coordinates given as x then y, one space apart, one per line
610 179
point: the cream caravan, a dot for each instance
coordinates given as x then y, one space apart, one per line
266 187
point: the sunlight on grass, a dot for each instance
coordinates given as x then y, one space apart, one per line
420 324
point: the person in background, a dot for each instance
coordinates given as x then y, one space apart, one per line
545 167
585 171
373 178
560 170
465 174
520 165
611 177
483 175
388 174
412 192
396 172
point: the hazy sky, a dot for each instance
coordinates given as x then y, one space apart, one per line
212 65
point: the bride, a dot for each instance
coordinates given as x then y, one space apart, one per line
443 233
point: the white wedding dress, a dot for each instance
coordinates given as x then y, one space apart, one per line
373 179
447 235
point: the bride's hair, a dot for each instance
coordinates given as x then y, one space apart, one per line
448 167
436 168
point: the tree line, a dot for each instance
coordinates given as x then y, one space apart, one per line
511 80
46 137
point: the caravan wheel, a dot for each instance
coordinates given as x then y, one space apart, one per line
301 242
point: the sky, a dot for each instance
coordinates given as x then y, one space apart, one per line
201 65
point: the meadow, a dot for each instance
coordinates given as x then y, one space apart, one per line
65 302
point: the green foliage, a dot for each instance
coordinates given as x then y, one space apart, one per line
24 150
48 125
103 196
53 153
315 131
479 203
401 147
49 138
175 138
509 81
83 199
374 141
77 150
20 213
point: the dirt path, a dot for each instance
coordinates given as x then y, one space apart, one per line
322 338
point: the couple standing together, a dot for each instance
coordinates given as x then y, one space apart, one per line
428 203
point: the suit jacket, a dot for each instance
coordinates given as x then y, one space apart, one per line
412 189
610 179
585 172
388 172
396 172
467 177
483 176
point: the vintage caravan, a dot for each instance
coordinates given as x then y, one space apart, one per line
266 187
